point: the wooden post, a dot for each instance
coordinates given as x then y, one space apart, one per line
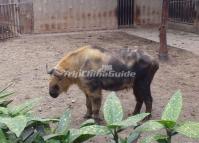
163 51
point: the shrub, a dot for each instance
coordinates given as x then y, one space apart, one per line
19 125
169 122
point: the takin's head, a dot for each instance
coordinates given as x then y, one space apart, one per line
58 82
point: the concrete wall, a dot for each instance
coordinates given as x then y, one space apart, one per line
74 15
9 1
4 1
147 12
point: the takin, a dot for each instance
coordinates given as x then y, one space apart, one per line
99 70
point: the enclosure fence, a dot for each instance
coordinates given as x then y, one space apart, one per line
8 21
183 11
125 13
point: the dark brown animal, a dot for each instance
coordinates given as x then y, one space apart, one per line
92 58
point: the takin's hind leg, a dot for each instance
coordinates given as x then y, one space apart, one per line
139 101
143 94
148 100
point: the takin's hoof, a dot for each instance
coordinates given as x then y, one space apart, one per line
147 118
98 120
87 116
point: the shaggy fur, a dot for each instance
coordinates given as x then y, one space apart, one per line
93 58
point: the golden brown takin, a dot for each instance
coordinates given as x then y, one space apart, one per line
95 69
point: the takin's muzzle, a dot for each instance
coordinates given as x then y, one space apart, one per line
54 91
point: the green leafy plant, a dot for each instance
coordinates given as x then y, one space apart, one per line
113 115
63 134
17 124
169 122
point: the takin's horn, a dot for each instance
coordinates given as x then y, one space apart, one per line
49 71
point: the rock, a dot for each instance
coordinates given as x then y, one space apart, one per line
40 109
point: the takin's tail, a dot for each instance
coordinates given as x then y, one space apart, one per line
154 68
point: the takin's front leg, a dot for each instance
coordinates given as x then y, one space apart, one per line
96 101
93 104
89 111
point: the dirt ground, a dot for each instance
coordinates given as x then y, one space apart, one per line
23 61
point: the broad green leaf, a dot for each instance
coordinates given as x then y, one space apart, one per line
122 140
82 138
4 102
189 129
173 108
87 132
23 108
133 137
88 123
34 138
77 137
5 94
42 120
2 137
38 122
16 124
2 90
159 138
64 123
4 110
2 126
12 137
94 130
149 126
113 109
168 124
27 132
37 139
74 134
53 141
53 136
130 121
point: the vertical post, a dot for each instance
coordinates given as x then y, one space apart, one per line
197 15
163 51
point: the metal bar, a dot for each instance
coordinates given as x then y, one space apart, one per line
131 12
118 11
123 11
8 21
182 11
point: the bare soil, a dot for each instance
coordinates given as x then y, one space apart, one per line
23 61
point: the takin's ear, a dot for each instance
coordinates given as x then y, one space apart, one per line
55 72
58 74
